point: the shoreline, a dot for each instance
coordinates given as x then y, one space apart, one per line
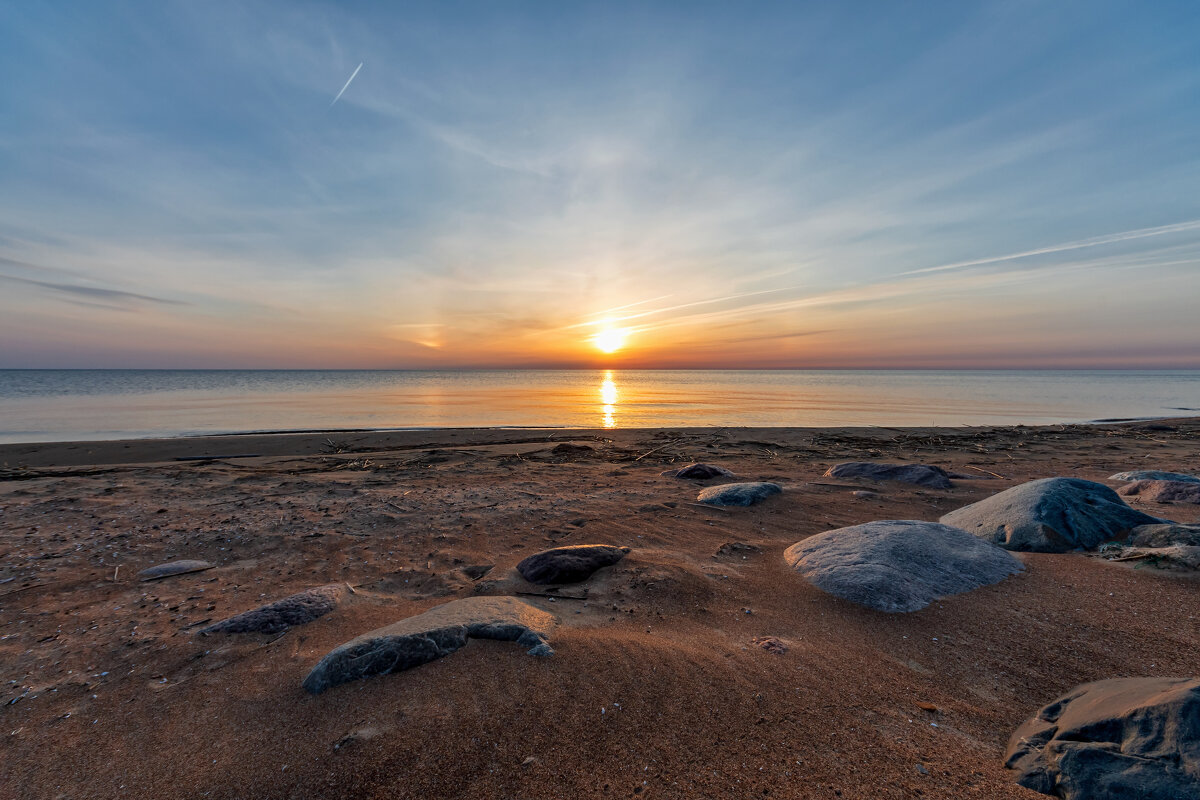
660 685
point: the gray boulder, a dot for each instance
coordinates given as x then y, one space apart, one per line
1163 491
438 632
899 565
699 472
738 494
918 474
297 609
173 568
1165 535
569 564
1128 737
1153 475
1051 515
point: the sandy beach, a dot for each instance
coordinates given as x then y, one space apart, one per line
685 670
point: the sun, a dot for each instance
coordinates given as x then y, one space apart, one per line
610 340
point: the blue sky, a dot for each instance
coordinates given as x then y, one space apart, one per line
839 184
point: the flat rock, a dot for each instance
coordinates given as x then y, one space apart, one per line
569 564
1051 515
297 609
173 568
737 549
1165 535
699 472
1153 475
1158 491
899 565
917 474
738 494
1128 737
437 632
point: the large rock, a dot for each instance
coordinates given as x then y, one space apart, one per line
297 609
738 494
899 565
699 472
1122 738
918 474
438 632
1051 515
1165 535
569 564
173 568
1163 491
1153 475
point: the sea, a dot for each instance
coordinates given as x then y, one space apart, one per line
70 405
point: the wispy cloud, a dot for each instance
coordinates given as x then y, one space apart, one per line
92 294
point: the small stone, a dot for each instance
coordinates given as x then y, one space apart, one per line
771 644
173 568
569 564
1153 475
738 549
699 472
1160 491
922 770
738 494
297 609
917 474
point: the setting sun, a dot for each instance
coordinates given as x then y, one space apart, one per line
610 340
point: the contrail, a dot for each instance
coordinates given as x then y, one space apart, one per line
347 86
1113 238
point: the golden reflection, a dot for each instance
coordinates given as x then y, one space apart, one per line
608 396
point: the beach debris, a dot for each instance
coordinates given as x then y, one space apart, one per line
1050 515
1165 535
1126 737
699 472
297 609
173 568
737 549
738 494
899 565
1153 475
570 564
916 474
771 644
1159 491
477 571
436 633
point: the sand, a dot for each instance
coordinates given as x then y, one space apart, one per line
667 679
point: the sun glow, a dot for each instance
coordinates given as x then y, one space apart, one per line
610 340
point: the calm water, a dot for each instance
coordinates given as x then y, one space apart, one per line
59 405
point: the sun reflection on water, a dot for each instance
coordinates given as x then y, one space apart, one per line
608 396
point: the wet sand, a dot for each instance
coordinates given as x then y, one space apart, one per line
658 687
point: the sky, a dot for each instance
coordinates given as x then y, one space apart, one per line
624 185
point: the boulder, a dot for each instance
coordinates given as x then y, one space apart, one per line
1165 535
569 564
1051 515
438 632
738 494
899 565
1127 737
173 568
917 474
297 609
699 472
1153 475
1163 491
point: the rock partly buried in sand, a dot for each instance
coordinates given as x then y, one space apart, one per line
899 565
1128 737
1165 535
737 549
569 564
1153 475
1051 515
738 494
173 568
438 632
298 609
699 472
1163 491
918 474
